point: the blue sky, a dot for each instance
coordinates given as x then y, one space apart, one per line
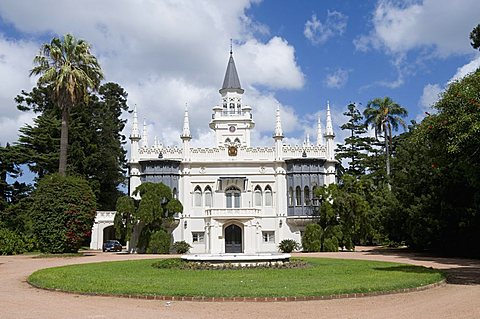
294 54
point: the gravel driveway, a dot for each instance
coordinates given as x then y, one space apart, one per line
460 298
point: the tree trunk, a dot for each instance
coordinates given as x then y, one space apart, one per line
62 165
387 154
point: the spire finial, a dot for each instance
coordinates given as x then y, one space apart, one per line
278 124
231 46
144 135
329 126
186 126
135 133
319 131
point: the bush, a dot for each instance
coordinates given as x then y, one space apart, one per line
311 240
330 244
288 245
63 211
181 247
159 243
170 263
11 243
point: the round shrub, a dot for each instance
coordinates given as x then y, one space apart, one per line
63 211
330 244
288 245
159 243
181 247
311 240
11 243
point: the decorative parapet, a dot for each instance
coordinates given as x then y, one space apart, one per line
105 216
243 153
232 212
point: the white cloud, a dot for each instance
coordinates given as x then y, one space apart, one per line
164 53
430 24
430 96
15 64
271 64
318 33
466 69
337 79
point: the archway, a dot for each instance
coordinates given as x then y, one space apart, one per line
108 233
233 239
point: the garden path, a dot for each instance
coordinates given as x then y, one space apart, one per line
460 298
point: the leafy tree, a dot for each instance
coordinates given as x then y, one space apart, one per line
9 169
63 209
475 37
312 238
141 219
438 175
96 142
356 146
68 70
385 115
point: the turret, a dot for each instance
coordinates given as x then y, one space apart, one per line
231 120
186 136
134 137
278 135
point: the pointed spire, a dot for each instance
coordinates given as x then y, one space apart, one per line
319 132
135 133
155 141
186 125
231 82
144 135
308 140
278 124
329 126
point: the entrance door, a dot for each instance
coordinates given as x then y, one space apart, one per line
233 239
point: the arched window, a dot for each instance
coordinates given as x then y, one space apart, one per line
237 140
197 197
227 141
306 196
174 193
290 197
232 194
298 196
268 196
208 196
257 196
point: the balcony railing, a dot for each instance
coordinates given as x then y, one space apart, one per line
232 212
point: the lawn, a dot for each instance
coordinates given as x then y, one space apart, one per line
324 277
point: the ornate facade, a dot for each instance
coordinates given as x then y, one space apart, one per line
237 198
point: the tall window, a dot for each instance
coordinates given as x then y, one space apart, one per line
257 196
175 193
290 197
197 197
208 196
268 196
306 195
314 194
298 196
233 197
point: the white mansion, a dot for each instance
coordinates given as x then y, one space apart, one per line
236 198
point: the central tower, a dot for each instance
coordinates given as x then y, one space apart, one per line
232 121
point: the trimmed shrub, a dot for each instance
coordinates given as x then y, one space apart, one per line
63 211
159 243
181 247
288 245
11 243
311 240
330 244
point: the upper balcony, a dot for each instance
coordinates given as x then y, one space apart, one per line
228 213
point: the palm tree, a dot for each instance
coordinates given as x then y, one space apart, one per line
383 114
70 71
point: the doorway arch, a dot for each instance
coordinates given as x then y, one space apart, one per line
233 239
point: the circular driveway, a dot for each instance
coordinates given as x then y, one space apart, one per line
460 298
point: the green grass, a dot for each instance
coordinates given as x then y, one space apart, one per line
325 277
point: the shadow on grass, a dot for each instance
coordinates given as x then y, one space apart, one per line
458 271
408 268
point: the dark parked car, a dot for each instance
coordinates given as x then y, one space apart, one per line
112 245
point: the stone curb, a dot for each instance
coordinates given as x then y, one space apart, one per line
254 299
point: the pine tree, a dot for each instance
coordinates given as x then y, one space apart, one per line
357 145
